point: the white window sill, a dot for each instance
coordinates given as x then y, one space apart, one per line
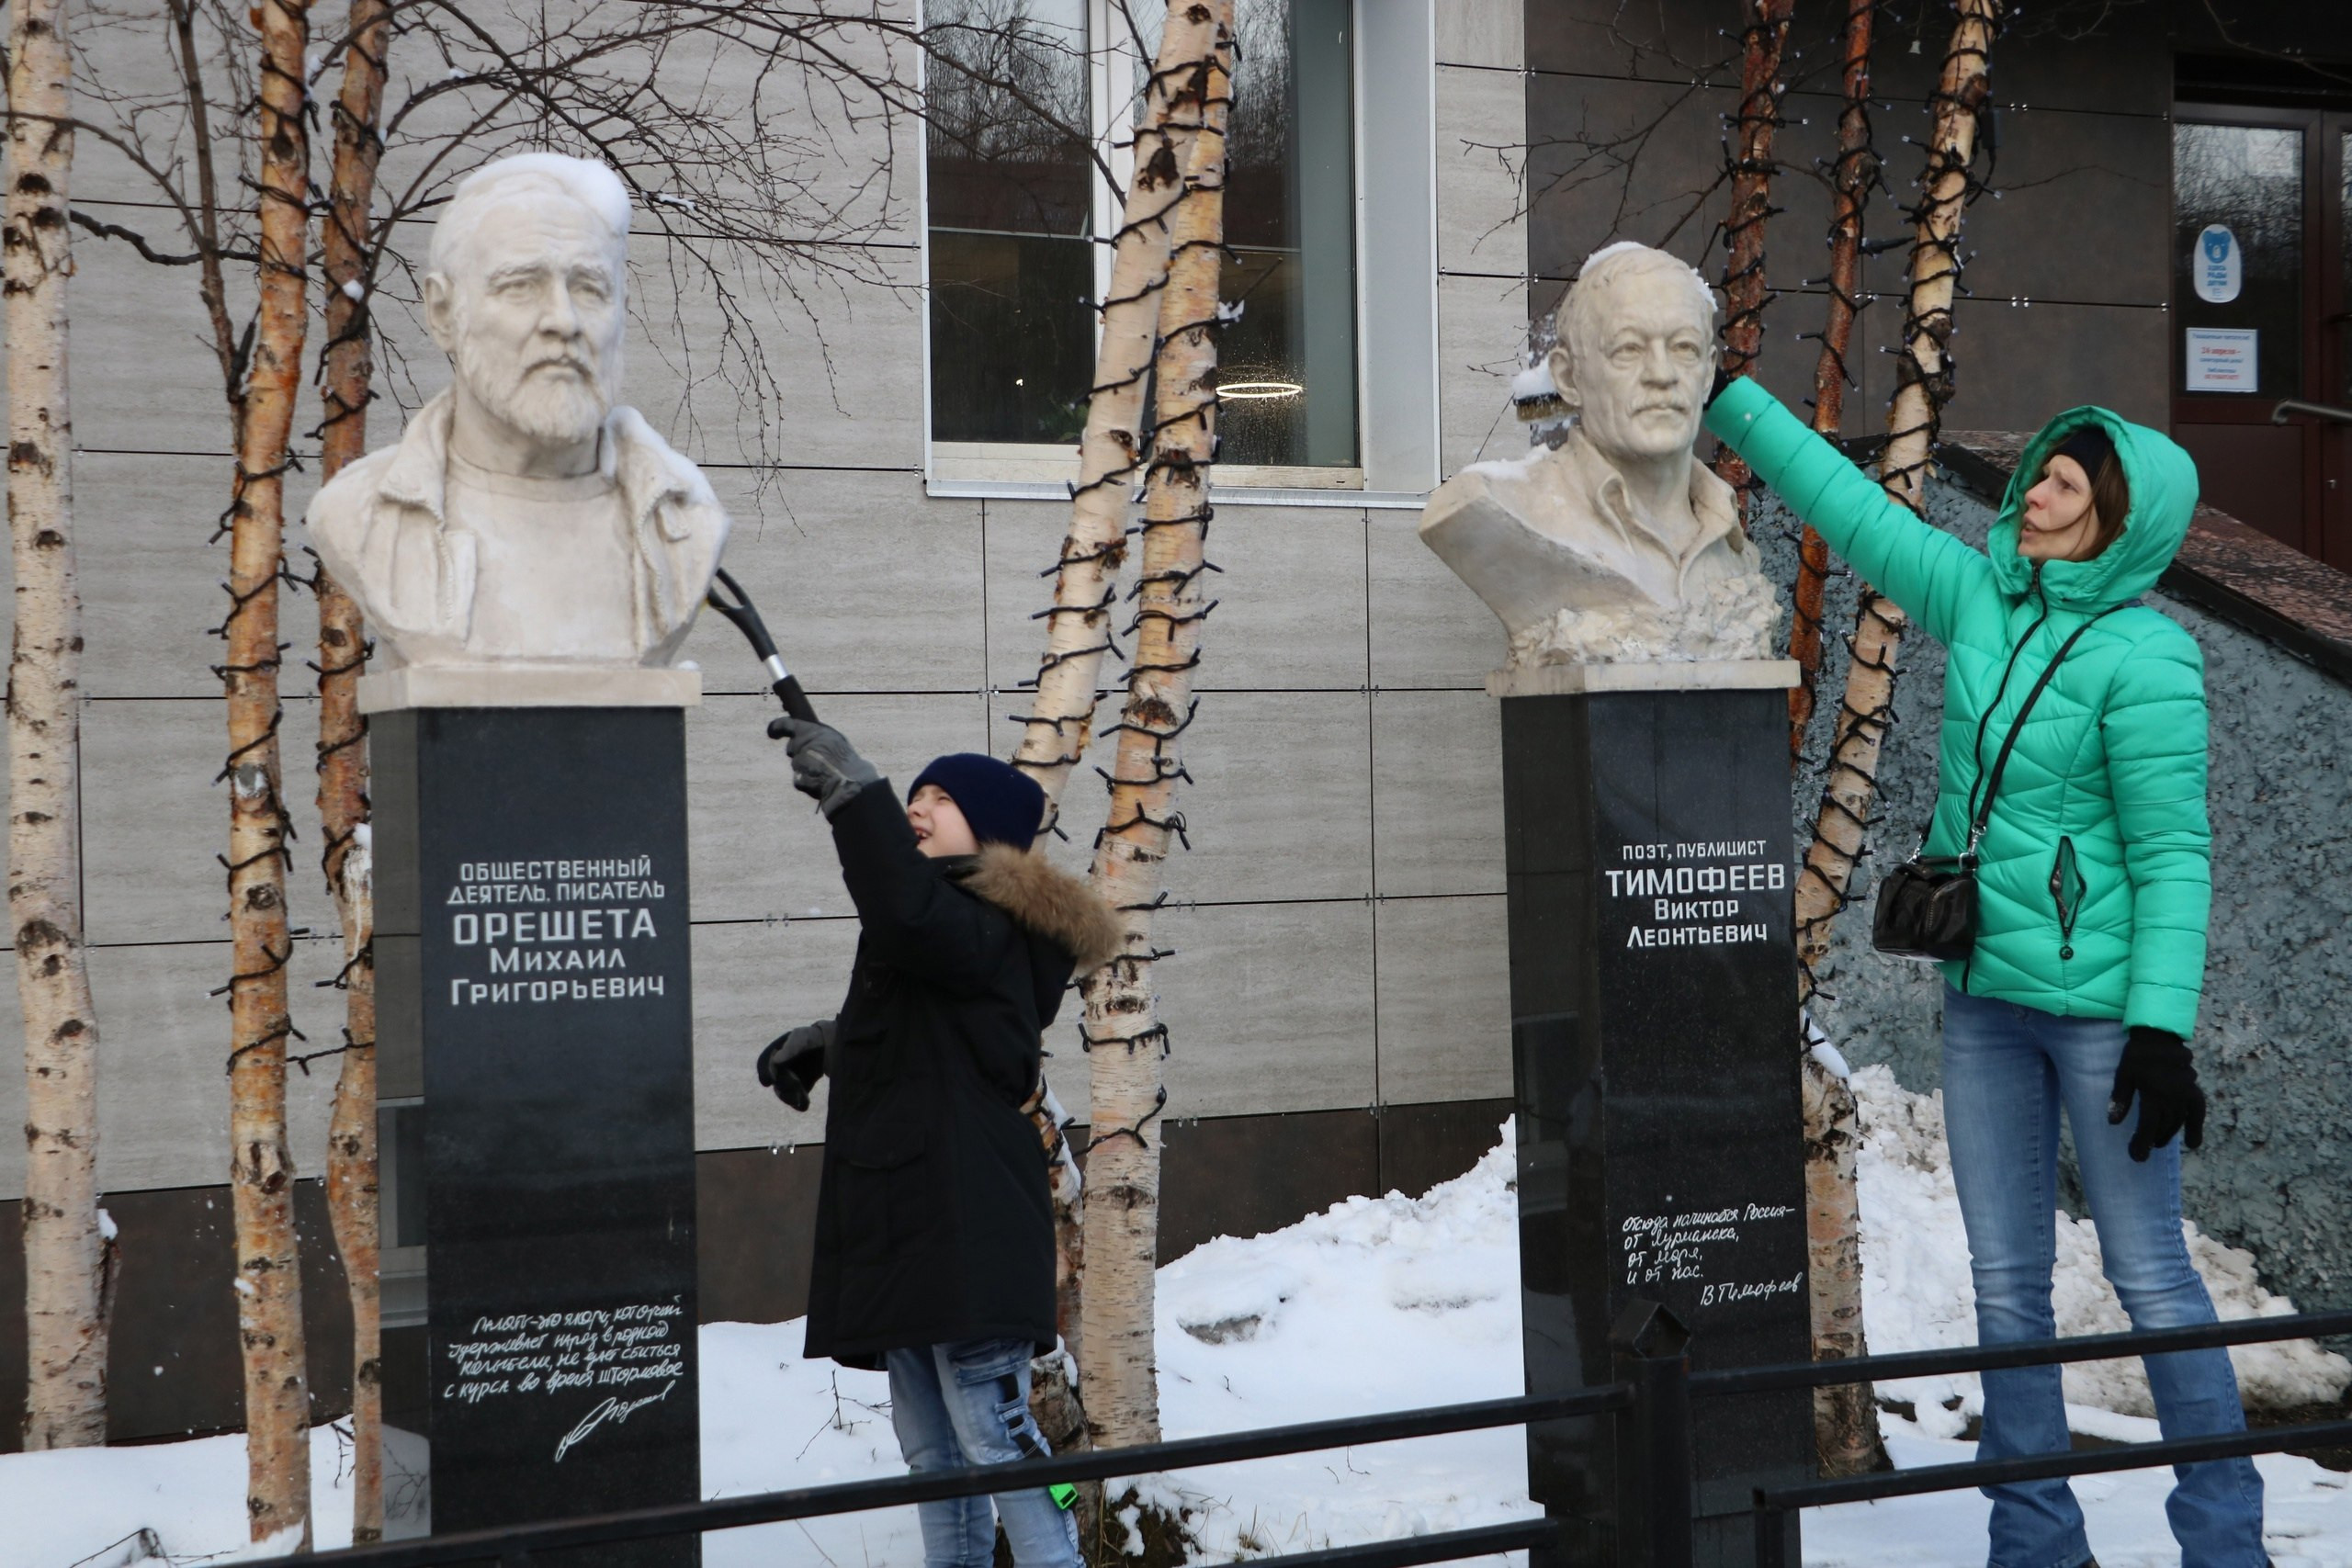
1014 472
401 1270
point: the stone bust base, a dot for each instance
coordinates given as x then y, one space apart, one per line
527 686
1658 675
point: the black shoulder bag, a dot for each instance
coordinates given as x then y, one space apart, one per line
1926 906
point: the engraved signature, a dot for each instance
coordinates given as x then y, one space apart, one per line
612 1410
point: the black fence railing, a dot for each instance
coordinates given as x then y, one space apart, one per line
1652 1435
517 1543
1773 1505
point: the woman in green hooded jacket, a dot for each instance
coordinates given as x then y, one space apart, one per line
2094 881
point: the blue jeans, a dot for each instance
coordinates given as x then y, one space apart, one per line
2007 1071
968 1404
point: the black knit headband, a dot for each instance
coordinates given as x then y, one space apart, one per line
2090 446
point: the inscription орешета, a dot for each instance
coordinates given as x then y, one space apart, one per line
598 911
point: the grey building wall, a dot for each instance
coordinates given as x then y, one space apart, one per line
1344 818
2278 1012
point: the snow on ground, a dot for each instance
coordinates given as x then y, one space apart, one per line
87 1506
1379 1303
2307 1520
1376 1304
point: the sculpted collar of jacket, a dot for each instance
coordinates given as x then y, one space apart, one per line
1043 899
1713 505
383 524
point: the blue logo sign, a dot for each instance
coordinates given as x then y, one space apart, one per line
2217 266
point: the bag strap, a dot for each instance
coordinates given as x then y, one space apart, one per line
1984 814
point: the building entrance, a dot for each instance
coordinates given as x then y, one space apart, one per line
2262 306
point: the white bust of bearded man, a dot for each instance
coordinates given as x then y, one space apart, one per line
1620 544
523 518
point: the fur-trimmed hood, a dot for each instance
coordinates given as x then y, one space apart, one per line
1045 900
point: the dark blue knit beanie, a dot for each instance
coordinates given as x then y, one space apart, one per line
1003 805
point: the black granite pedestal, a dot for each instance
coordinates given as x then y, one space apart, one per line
1654 1012
532 945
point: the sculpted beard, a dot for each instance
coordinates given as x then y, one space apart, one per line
546 404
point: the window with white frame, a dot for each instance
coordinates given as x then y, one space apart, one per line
1031 104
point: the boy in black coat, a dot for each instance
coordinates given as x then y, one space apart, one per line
934 1253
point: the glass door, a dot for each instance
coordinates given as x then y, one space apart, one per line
2261 284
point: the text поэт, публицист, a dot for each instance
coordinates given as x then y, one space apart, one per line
1664 876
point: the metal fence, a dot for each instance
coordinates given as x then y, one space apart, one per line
1773 1505
1652 1405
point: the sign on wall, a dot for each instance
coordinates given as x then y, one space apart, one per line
2218 269
2222 359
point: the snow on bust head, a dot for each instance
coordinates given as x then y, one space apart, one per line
590 183
1636 352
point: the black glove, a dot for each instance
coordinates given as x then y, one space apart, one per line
2157 1068
825 766
793 1062
1724 377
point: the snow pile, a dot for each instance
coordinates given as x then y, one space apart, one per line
1533 384
1450 1250
1377 1303
1916 1293
180 1502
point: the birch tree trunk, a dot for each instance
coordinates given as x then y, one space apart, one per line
1126 1041
1060 721
348 373
67 1268
1845 1417
1744 288
1078 628
270 1283
1847 1427
1851 179
1923 385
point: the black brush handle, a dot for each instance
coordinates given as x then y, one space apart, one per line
746 618
794 699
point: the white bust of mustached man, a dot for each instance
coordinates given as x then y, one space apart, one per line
1622 530
524 517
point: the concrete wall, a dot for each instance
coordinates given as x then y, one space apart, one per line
2272 1034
